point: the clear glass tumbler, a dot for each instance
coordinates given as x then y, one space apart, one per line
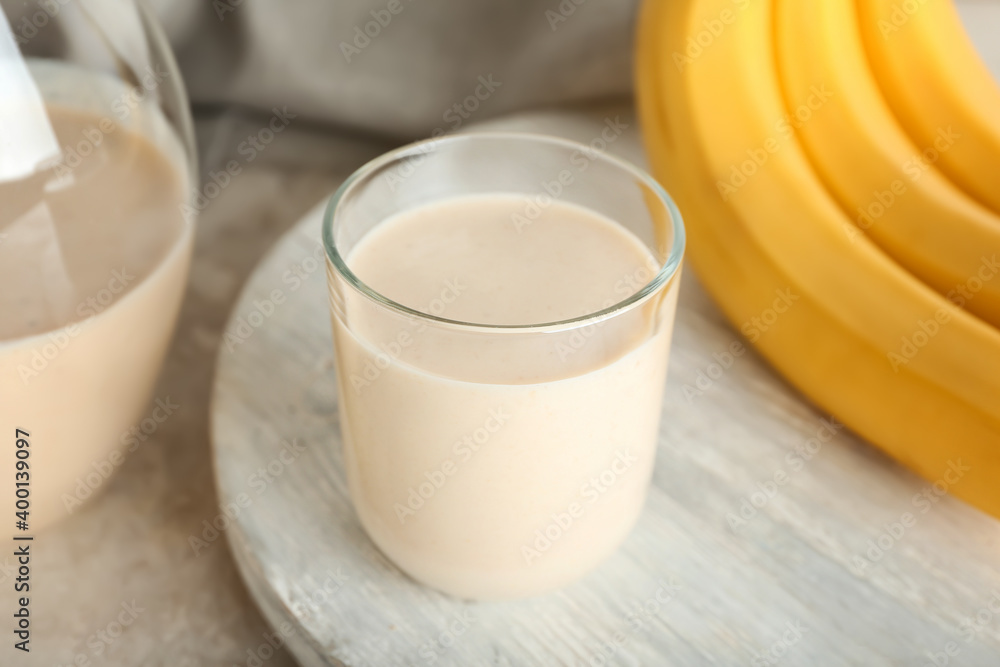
96 170
505 460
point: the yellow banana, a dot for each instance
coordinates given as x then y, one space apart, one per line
938 87
708 94
867 161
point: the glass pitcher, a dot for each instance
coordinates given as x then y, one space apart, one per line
96 172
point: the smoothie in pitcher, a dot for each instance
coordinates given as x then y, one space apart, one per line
93 258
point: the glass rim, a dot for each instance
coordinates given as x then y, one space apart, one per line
663 276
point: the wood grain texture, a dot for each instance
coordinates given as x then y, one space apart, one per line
689 587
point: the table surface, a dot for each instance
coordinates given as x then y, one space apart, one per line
736 559
130 545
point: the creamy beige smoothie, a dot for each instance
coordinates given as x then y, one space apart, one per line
93 262
500 465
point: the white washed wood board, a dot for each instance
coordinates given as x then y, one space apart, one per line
795 580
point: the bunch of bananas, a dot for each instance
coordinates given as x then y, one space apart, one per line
848 154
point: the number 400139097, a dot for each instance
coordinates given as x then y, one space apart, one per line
22 479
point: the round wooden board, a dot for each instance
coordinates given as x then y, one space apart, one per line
799 579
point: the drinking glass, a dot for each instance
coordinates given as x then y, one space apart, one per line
501 461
